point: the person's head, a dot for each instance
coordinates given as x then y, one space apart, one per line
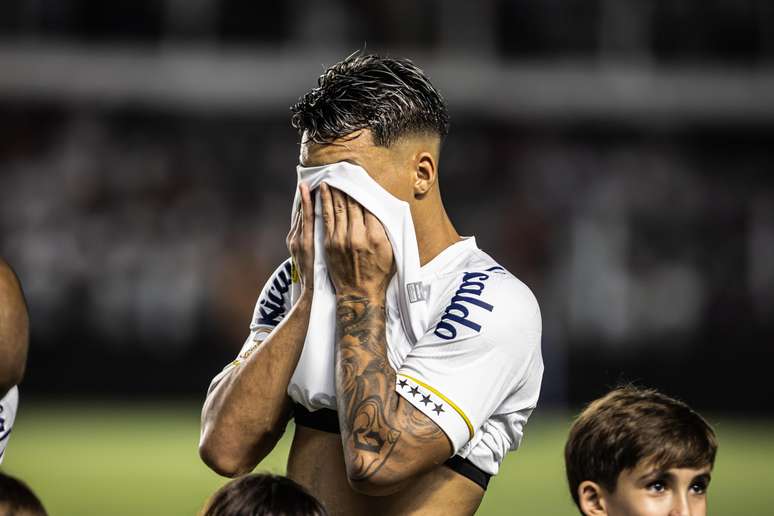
263 495
380 113
638 452
16 499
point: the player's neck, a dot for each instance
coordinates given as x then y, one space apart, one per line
435 231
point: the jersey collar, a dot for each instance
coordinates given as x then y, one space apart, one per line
449 255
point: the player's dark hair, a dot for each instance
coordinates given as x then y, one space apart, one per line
629 426
16 498
263 495
391 97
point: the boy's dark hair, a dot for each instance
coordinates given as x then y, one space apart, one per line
263 495
391 97
630 425
16 499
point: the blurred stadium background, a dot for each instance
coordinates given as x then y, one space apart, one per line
617 156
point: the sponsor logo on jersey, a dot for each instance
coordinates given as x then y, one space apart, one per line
272 306
463 307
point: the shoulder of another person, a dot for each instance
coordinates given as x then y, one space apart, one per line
485 300
8 278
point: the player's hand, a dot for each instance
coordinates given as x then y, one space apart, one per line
300 240
358 252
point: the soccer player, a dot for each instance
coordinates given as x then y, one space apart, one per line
423 425
262 495
14 338
637 452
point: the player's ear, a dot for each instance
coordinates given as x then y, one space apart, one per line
591 499
425 173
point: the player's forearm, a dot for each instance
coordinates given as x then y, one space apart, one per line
381 435
246 412
14 330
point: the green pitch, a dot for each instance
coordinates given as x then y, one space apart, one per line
132 459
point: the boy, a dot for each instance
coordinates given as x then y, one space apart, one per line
638 452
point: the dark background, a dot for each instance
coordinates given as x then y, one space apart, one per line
617 156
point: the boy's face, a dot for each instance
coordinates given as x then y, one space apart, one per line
648 491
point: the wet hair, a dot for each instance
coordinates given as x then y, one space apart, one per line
263 495
391 97
629 426
17 499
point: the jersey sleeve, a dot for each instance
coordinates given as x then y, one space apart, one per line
481 356
8 407
272 305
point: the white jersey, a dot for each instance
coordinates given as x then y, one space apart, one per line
8 406
476 372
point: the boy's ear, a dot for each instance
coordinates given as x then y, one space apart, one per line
425 174
591 499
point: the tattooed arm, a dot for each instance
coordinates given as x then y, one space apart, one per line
386 440
246 411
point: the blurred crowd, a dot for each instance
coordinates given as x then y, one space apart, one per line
140 222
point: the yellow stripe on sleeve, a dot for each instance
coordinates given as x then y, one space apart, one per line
444 398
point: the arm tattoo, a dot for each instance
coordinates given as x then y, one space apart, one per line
370 411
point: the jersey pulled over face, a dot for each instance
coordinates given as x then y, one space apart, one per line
476 372
8 407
